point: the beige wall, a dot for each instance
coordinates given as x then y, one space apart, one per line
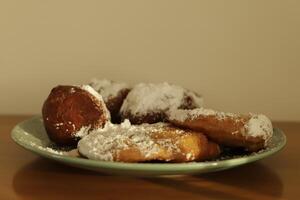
241 55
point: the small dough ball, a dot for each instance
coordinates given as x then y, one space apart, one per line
149 103
113 94
72 109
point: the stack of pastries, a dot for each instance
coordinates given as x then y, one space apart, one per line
111 121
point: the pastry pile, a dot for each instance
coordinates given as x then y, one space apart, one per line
148 122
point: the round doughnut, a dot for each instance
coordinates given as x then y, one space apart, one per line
72 109
148 102
113 94
251 132
146 142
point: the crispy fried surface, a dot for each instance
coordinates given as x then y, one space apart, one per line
221 133
227 129
141 143
69 108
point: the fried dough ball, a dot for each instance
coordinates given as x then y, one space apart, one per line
72 109
149 103
113 94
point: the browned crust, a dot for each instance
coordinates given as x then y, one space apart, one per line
114 104
227 132
67 109
150 118
191 142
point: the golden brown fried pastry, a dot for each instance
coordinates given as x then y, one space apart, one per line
71 109
146 142
113 94
251 132
148 103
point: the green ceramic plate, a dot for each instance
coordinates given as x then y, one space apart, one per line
31 135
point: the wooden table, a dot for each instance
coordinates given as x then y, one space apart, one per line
24 175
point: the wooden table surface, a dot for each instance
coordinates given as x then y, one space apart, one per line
24 175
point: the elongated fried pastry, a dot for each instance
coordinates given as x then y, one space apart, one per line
251 132
73 109
149 102
146 142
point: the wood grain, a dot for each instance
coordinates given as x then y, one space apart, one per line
24 175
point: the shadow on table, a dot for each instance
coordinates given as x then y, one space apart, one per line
244 182
45 179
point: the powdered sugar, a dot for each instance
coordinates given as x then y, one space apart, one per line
92 91
155 97
197 99
256 126
83 131
108 89
105 144
101 103
259 126
50 150
47 149
182 115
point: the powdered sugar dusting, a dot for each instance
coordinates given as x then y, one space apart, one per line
104 144
146 97
48 149
256 126
93 92
183 115
83 131
198 100
259 126
108 89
